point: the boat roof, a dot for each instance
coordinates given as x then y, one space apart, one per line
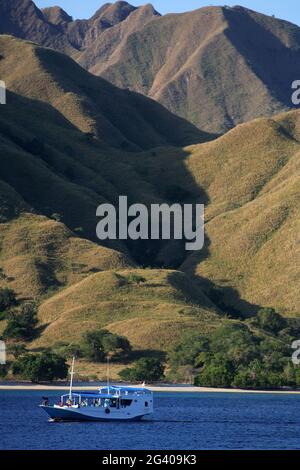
125 389
94 395
113 391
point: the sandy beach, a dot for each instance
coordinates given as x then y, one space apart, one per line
154 388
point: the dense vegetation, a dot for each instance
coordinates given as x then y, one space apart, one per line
251 354
8 299
21 322
45 366
146 369
99 345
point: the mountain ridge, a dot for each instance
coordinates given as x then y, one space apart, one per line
215 66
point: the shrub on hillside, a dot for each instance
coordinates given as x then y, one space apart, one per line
98 345
21 322
16 349
135 278
8 299
269 320
68 350
3 371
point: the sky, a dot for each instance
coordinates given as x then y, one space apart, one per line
285 9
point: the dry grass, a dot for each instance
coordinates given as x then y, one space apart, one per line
248 179
249 182
39 256
152 314
116 117
212 66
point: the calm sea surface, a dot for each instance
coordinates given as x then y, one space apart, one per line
181 421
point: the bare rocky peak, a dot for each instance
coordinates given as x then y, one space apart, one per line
56 15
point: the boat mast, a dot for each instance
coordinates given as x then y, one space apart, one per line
71 380
108 375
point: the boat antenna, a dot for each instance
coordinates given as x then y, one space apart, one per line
71 380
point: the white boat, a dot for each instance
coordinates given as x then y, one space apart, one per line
109 403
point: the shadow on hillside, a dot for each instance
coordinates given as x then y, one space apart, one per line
166 171
174 183
227 299
275 64
39 330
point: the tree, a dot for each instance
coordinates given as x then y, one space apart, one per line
235 342
274 354
147 368
8 299
188 349
218 373
46 366
3 371
269 320
289 375
256 375
22 322
16 349
68 350
98 345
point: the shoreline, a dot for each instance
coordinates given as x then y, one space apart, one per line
154 388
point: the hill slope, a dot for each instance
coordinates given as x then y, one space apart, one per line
216 66
39 256
118 117
250 183
248 180
152 313
53 176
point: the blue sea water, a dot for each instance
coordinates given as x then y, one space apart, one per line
181 421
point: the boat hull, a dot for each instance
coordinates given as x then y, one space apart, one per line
81 414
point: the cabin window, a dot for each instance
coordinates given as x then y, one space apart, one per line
146 404
125 402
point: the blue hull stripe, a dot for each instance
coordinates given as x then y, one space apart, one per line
69 415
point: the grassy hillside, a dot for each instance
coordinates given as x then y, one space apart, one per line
117 117
48 214
152 313
53 175
215 66
249 181
39 256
